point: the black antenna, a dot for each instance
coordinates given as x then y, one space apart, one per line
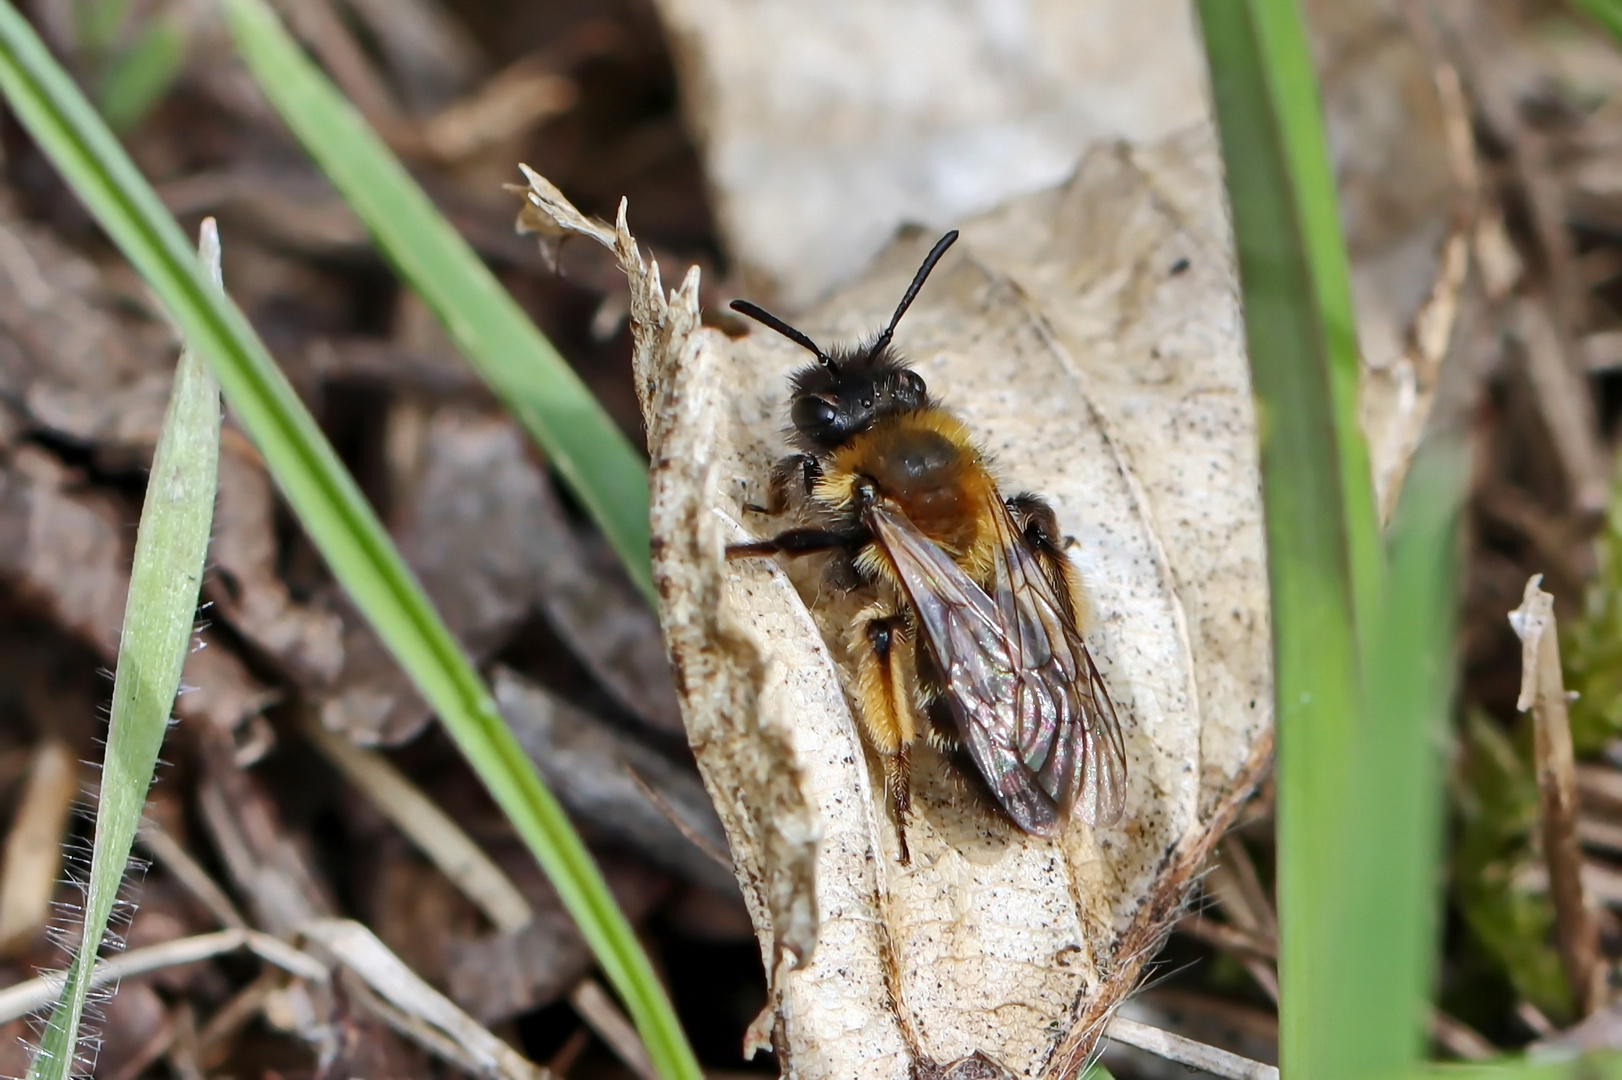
799 337
930 260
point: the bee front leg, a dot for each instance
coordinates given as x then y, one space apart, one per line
880 639
792 480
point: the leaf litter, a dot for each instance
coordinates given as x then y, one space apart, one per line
1091 338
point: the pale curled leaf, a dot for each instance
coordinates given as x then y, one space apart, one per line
1091 338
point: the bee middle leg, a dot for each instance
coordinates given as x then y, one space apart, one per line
797 542
881 640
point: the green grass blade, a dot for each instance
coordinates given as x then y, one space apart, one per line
598 463
1607 1067
170 546
139 76
1391 904
1608 13
1325 562
333 512
1286 64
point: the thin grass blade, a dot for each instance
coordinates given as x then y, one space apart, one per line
333 512
594 458
167 573
1392 899
1324 556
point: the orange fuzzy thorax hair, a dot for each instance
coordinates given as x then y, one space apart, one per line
928 464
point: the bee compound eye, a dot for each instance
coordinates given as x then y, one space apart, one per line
912 385
813 413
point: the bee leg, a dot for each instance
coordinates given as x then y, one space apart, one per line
1035 518
792 480
898 780
884 682
796 542
1039 525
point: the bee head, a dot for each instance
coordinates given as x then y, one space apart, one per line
843 393
836 399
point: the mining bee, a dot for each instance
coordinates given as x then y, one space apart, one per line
976 625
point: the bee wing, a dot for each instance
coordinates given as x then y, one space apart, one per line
1030 705
1069 734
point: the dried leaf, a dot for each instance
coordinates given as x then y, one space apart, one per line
1091 337
1404 158
66 547
816 150
71 366
271 866
482 526
246 587
615 785
499 976
416 1009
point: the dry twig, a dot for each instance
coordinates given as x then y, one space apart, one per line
427 826
1565 404
191 875
1197 1055
36 993
1234 884
400 997
598 1010
34 844
1459 1039
1543 691
1229 938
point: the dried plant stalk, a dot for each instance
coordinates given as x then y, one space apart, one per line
1543 691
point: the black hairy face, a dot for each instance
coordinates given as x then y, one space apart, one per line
837 399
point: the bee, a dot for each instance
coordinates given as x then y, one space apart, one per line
974 639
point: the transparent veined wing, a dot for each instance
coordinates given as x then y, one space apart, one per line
1027 700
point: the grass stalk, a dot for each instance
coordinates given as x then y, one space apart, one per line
170 546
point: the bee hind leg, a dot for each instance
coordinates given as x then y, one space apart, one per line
1039 525
880 639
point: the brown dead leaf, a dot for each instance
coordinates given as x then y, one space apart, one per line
618 787
1091 338
483 528
245 585
816 150
65 548
65 359
33 845
497 976
1405 168
272 866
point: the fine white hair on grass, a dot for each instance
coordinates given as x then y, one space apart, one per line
65 930
87 1050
